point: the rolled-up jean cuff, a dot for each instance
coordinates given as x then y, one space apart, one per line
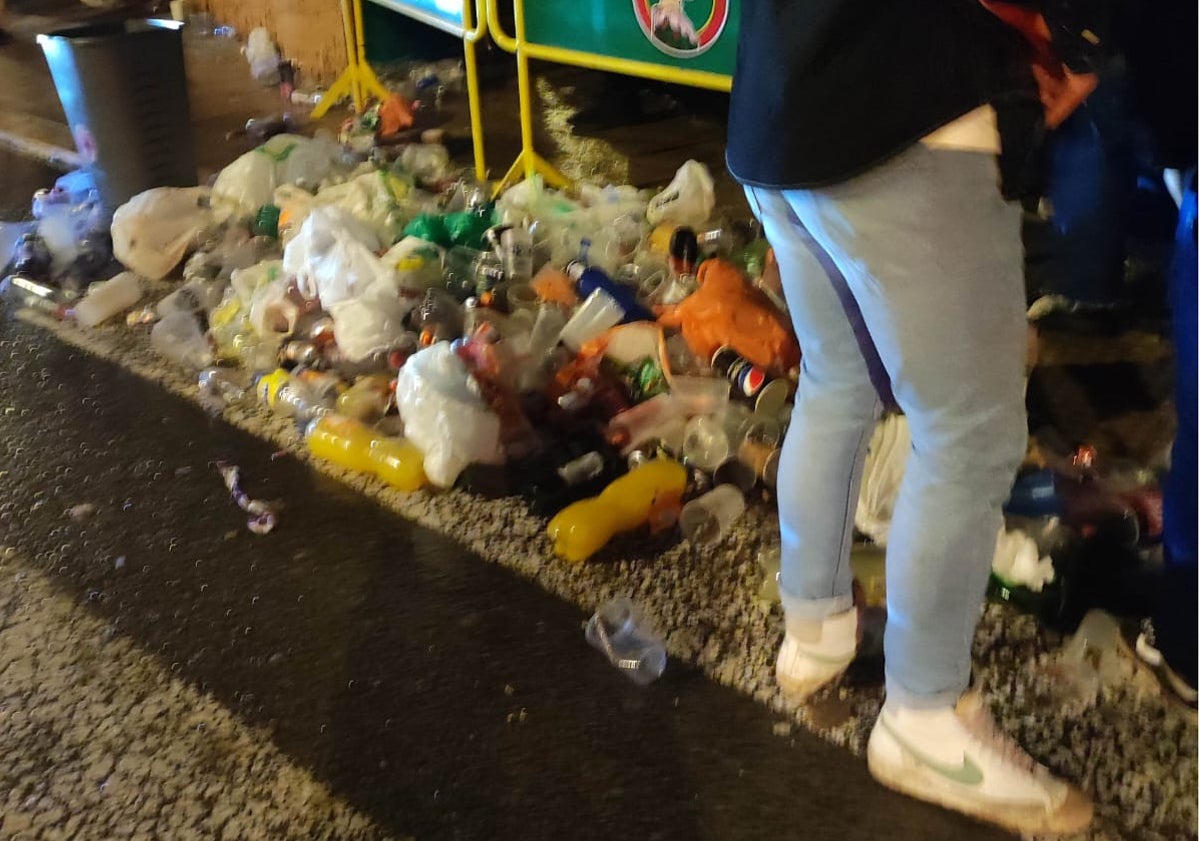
810 609
898 696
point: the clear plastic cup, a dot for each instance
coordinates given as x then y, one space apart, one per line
705 443
595 315
707 519
620 631
702 395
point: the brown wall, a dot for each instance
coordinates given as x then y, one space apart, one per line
308 32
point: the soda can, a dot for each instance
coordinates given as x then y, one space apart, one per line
750 380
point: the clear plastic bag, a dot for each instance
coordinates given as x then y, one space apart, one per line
153 231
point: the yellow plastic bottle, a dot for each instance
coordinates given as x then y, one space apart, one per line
581 529
352 445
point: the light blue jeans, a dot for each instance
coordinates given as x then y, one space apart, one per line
904 283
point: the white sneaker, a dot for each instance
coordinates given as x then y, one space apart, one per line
815 652
956 758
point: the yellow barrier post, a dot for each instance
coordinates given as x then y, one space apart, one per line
358 81
529 162
471 36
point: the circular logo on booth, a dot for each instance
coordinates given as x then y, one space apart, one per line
682 28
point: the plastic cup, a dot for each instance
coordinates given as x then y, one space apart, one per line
702 395
705 443
707 519
622 634
734 472
597 314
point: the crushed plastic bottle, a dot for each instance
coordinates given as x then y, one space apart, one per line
650 494
620 631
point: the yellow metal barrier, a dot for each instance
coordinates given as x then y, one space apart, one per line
359 82
529 162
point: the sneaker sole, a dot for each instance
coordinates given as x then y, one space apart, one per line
802 690
1072 817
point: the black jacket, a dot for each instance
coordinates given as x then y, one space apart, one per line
826 89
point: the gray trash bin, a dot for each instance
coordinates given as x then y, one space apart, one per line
124 91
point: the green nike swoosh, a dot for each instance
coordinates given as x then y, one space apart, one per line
967 773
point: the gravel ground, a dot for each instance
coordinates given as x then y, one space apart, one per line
1132 751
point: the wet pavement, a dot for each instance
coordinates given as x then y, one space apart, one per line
437 695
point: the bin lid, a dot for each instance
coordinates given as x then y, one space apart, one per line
97 32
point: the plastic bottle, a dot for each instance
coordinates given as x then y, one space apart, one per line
649 493
351 444
470 272
438 318
25 291
30 257
178 338
588 280
107 298
287 395
225 384
623 635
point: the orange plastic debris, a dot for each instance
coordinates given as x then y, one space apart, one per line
727 310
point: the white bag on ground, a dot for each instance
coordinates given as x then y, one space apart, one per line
369 323
1017 561
688 199
262 56
887 455
444 417
250 181
333 257
153 231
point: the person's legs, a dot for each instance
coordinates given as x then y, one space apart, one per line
821 464
836 406
932 256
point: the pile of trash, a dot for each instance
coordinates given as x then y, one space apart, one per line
618 359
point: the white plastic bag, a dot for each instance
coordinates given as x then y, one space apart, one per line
887 455
370 323
1018 562
333 257
154 230
251 180
273 315
688 199
371 196
417 265
263 57
245 282
444 416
